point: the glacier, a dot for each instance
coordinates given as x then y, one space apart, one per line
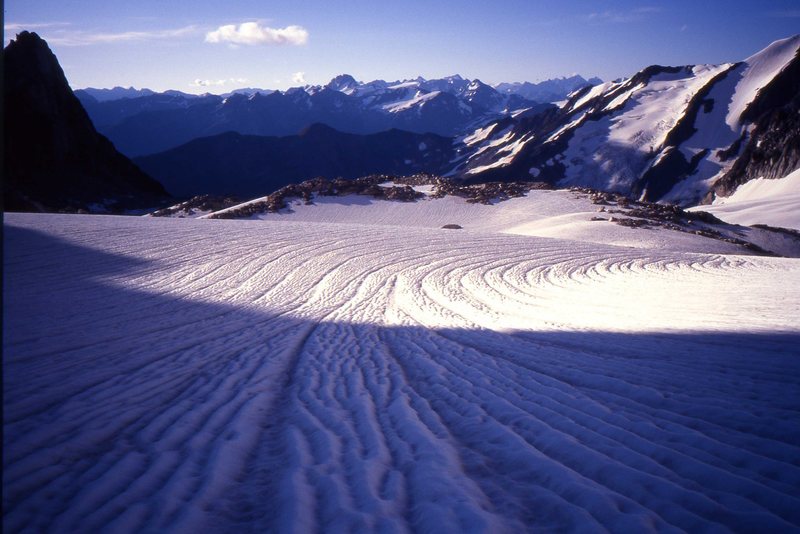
315 371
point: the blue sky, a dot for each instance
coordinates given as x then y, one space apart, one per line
197 46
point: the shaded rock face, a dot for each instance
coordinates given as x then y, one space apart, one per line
54 158
773 147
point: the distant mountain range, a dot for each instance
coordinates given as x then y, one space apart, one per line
676 134
143 122
553 90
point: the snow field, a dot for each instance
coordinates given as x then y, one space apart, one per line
762 201
175 374
559 214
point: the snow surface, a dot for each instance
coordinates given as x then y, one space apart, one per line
773 202
560 214
595 91
611 153
761 69
290 375
418 98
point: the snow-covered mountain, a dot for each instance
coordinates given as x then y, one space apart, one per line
667 133
447 106
554 90
116 93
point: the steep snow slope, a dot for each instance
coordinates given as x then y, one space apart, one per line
771 202
759 69
612 153
252 376
666 133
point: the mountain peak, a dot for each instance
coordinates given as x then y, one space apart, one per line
56 159
344 83
36 62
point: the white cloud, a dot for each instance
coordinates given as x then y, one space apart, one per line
252 33
84 38
649 9
207 83
212 83
299 77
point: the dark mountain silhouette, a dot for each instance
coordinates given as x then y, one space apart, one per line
249 166
54 157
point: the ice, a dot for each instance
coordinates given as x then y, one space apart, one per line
352 366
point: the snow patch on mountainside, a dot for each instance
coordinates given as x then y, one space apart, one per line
773 202
761 69
612 152
419 98
594 92
505 155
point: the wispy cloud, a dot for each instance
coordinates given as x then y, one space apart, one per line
633 15
70 37
217 83
299 77
253 33
19 26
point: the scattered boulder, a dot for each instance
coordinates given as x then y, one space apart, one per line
202 203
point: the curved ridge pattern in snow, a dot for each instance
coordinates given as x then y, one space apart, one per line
166 375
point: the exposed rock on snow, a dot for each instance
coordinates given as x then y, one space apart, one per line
437 195
197 206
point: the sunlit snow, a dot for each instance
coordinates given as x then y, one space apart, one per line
328 370
761 201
